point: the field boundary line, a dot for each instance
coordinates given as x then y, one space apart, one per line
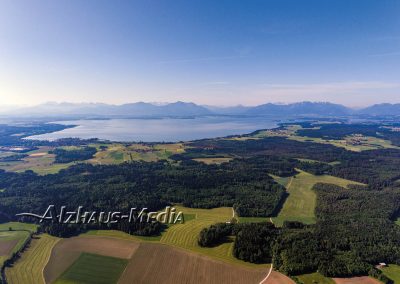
48 259
126 266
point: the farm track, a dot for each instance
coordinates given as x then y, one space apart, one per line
268 275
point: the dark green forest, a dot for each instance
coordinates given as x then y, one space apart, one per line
242 184
354 232
355 227
80 154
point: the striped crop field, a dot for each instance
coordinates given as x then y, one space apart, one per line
29 268
186 235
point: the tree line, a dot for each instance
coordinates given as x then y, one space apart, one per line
355 231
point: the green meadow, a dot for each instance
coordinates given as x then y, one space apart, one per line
94 269
301 202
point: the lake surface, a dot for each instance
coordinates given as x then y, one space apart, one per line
158 130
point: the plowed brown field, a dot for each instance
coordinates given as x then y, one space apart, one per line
68 250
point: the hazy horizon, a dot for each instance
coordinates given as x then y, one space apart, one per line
5 106
220 53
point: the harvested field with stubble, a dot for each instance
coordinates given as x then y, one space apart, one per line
118 153
156 263
150 262
185 235
67 251
39 161
29 268
175 257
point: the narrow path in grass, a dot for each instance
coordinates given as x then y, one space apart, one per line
289 183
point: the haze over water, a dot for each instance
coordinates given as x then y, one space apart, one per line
158 130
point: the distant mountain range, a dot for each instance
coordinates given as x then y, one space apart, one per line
139 109
184 109
382 109
303 108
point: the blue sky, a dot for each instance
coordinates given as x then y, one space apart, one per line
209 52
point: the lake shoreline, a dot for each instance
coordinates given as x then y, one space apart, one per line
157 130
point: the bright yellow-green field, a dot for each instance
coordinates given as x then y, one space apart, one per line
281 180
118 153
185 235
29 268
17 226
314 278
366 142
70 148
393 272
39 161
351 142
300 204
